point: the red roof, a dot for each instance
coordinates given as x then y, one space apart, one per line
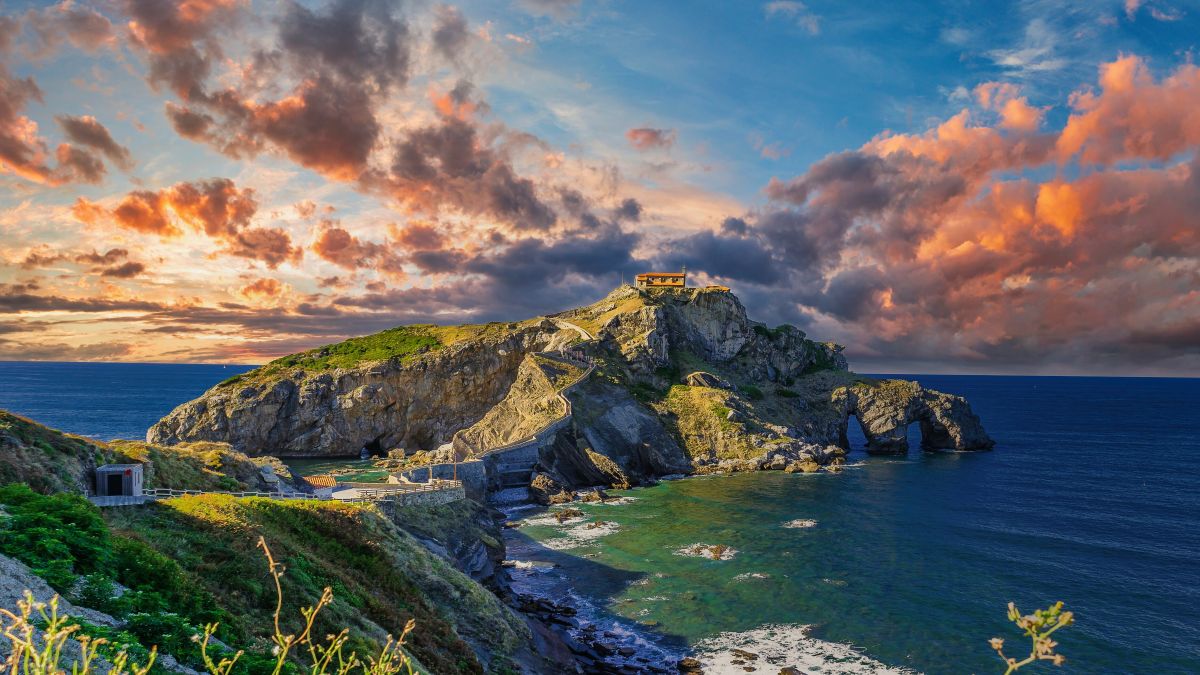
321 481
660 274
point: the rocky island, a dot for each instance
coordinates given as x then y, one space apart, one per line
643 383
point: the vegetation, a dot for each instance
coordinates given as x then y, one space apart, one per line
48 460
403 344
381 577
198 465
699 418
60 536
1038 627
39 643
752 392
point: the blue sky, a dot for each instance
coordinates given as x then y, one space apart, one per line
966 186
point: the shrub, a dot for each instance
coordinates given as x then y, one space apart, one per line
752 392
39 635
1038 627
785 392
60 536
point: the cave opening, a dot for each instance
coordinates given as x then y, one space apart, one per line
373 448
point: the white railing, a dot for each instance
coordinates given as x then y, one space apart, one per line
169 492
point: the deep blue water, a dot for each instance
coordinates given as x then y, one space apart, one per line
1092 496
104 400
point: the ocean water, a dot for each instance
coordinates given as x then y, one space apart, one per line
104 401
1092 497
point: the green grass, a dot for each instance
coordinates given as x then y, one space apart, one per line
402 344
379 576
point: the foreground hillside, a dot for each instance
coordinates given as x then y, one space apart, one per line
154 575
684 382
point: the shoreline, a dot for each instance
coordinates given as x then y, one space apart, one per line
624 644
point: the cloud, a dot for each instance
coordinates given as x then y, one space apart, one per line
645 138
1133 116
447 165
23 151
59 351
797 12
263 289
216 208
1037 51
87 131
82 26
558 9
127 270
955 245
450 32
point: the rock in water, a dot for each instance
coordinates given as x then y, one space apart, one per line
885 409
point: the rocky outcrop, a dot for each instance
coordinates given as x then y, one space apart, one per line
380 405
885 409
684 381
532 402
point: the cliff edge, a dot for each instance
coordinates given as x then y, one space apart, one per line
682 381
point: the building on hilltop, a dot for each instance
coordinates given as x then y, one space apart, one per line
662 279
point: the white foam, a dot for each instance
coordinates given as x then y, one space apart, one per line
800 523
779 646
706 551
747 576
581 535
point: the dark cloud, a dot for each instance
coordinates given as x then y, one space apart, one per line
127 270
15 299
450 32
109 257
446 164
77 165
629 210
87 131
731 258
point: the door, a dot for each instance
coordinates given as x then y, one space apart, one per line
115 483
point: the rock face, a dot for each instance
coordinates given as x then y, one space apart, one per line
683 382
885 409
379 405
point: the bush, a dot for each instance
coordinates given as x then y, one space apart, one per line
60 536
785 392
752 392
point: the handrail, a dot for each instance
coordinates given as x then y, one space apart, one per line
377 489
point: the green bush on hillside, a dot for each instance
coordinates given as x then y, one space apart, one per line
61 537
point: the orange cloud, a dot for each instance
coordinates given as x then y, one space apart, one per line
1132 116
216 207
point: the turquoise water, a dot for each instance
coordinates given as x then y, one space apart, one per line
1090 498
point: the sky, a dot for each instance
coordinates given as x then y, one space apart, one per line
972 187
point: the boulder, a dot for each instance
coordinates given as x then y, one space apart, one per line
703 379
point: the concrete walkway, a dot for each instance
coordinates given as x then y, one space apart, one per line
567 325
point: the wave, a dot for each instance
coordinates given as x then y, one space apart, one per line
781 646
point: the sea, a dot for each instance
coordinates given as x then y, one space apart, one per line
896 565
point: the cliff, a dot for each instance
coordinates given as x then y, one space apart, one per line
684 381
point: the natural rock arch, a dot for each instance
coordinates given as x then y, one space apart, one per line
885 409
